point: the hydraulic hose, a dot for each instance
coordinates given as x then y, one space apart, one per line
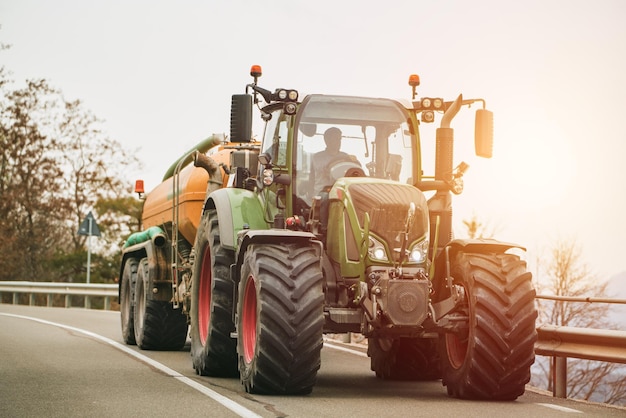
202 146
154 233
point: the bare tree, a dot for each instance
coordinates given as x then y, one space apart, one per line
55 165
566 275
93 167
478 229
29 193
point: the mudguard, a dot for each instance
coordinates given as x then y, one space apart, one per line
440 279
157 259
237 209
480 244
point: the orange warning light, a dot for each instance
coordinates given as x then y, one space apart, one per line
255 71
139 187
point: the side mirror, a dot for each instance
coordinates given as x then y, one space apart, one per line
241 118
483 134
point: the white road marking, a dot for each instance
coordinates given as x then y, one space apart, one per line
341 348
328 343
223 400
560 408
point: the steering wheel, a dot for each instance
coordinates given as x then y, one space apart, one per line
344 166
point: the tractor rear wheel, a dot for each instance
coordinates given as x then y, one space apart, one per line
491 357
404 358
158 326
127 300
213 350
280 319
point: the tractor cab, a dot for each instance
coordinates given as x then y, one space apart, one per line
304 152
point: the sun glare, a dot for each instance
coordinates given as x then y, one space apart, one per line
537 166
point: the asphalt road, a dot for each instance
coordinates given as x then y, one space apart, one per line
72 362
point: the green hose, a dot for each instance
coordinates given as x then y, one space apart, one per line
153 233
202 146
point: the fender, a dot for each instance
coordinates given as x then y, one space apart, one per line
155 251
282 236
441 278
237 209
481 245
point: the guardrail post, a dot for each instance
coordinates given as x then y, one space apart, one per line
15 298
107 303
49 300
31 299
560 377
67 301
87 302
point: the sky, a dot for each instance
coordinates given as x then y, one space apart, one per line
160 75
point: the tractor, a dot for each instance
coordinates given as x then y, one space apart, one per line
328 225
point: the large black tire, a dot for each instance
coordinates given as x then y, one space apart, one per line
404 358
158 326
127 300
280 319
213 350
492 358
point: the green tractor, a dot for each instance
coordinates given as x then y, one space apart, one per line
325 227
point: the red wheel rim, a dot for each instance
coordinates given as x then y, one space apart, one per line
457 350
204 296
249 321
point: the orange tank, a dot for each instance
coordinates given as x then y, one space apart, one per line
193 182
158 206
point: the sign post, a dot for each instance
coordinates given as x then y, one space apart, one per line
88 228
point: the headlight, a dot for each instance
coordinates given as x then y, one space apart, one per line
457 185
428 116
268 176
419 252
376 250
292 95
290 108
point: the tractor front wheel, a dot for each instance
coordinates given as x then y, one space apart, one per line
280 319
404 358
490 357
213 350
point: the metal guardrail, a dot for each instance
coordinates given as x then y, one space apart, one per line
107 291
561 343
558 342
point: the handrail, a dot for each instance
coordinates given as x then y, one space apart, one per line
587 299
107 291
561 342
582 343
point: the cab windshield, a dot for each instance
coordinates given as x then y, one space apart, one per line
339 136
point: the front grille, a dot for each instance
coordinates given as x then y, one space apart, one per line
387 205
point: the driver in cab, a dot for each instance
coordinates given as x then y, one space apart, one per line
320 162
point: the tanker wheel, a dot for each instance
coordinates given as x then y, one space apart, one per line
404 358
491 358
213 351
127 300
158 326
280 319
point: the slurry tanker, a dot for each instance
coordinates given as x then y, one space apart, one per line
259 248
